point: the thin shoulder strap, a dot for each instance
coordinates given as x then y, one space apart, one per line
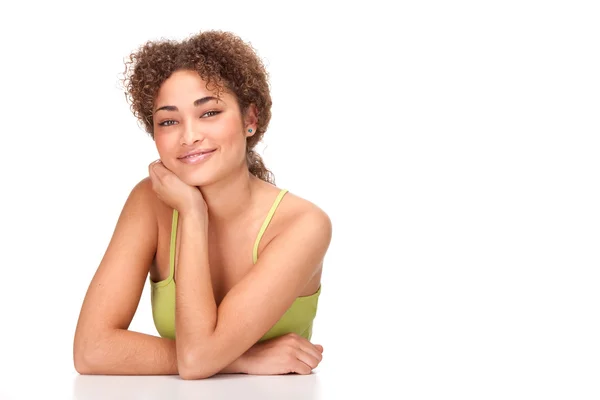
266 222
172 244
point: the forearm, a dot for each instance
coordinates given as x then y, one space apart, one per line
124 352
196 309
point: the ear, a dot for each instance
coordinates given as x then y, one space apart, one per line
251 120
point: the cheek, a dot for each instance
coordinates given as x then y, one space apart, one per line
230 136
164 145
236 146
167 151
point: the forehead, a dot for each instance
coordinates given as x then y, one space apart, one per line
184 87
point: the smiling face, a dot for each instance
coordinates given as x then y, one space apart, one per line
189 118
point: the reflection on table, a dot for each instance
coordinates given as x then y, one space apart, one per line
226 386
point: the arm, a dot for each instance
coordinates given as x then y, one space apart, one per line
209 338
102 343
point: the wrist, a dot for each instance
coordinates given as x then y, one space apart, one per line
238 366
193 216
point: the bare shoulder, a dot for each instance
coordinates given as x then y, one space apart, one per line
309 227
305 209
142 191
146 193
306 218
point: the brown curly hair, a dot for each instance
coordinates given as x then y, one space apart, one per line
222 60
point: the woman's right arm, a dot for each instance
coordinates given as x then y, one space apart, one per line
102 343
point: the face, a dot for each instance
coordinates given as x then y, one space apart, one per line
188 118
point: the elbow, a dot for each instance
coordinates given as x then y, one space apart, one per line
191 366
82 359
90 352
194 374
89 356
83 362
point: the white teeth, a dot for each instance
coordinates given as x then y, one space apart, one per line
198 155
195 155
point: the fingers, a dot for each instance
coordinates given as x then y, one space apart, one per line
158 168
308 355
308 358
302 368
153 163
312 350
156 180
158 172
152 170
300 342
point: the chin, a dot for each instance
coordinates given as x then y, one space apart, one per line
197 178
197 181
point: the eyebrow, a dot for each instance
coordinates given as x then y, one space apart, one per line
197 103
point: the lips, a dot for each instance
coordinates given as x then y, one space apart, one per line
197 157
196 153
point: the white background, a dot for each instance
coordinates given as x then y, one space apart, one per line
455 146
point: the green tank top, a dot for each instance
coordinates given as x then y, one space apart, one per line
298 318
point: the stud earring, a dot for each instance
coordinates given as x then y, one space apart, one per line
250 130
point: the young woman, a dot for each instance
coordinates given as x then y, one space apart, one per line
234 262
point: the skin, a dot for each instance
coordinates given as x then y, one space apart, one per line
223 301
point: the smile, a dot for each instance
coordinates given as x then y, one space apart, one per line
196 158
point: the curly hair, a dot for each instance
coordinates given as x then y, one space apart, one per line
222 60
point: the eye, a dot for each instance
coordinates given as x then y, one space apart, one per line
164 123
211 112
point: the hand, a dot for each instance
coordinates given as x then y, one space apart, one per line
290 353
174 192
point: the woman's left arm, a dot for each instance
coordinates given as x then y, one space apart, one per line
210 338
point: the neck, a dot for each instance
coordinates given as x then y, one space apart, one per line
230 198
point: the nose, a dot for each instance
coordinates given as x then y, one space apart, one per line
190 134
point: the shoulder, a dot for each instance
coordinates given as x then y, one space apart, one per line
300 240
143 187
146 203
304 217
144 192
